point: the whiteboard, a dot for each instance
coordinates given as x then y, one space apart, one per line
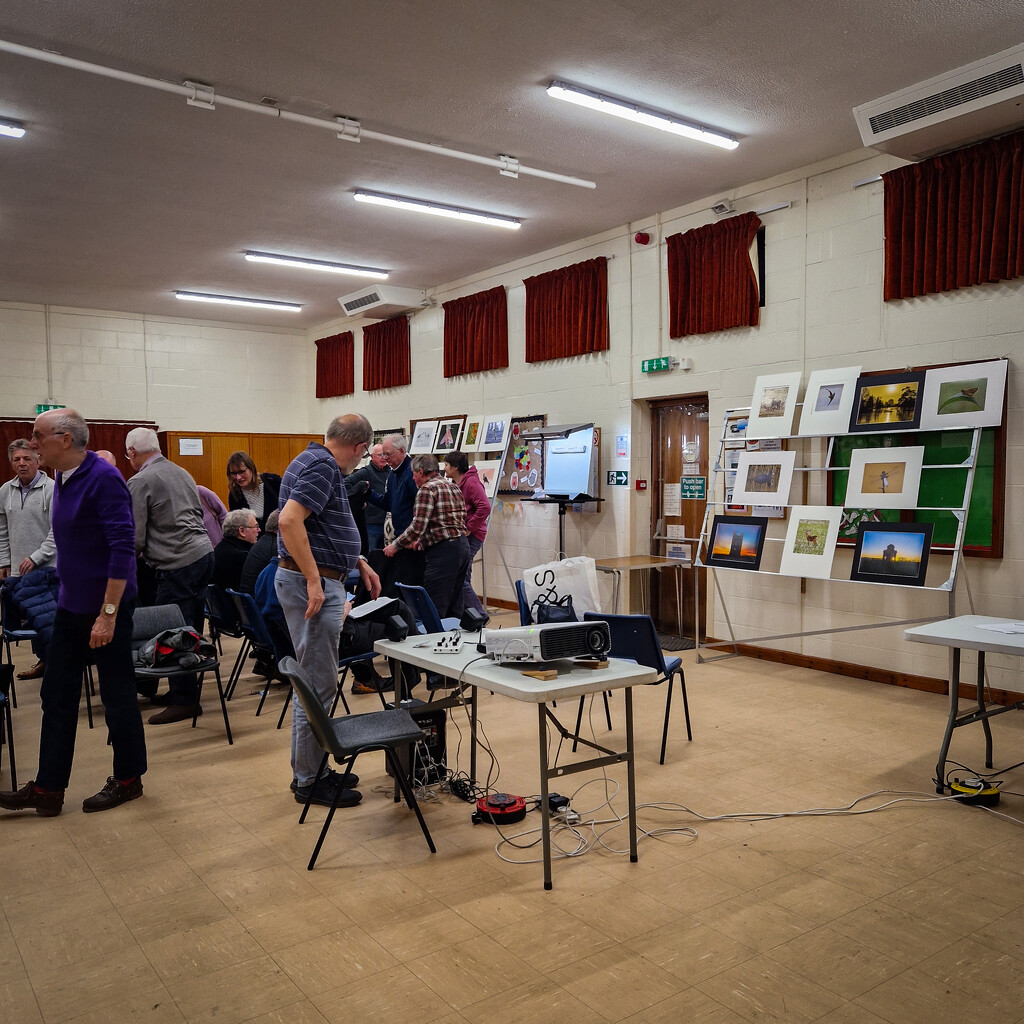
568 463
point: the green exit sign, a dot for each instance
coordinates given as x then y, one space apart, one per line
656 365
46 407
618 477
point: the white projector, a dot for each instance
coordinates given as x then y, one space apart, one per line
547 642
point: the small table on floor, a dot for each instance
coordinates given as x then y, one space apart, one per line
963 633
637 563
474 670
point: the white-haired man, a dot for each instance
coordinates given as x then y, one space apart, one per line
170 536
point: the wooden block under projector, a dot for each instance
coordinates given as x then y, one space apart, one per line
591 663
540 673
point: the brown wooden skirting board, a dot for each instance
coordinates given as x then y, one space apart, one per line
875 675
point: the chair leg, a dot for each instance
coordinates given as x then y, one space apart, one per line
263 698
607 710
686 705
10 744
341 691
236 669
287 705
668 710
579 723
224 704
199 698
319 773
344 703
330 813
410 796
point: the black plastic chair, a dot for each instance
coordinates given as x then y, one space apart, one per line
6 722
344 739
146 624
224 620
635 638
423 608
256 632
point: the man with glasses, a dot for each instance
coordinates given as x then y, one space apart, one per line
93 532
171 537
241 531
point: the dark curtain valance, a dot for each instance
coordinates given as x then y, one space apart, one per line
335 366
476 333
386 358
955 220
567 311
711 281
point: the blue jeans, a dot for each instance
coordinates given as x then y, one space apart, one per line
374 536
316 649
469 598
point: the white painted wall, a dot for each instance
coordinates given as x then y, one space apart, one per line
184 374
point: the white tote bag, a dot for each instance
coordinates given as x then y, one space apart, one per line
556 582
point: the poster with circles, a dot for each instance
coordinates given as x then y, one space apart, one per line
523 472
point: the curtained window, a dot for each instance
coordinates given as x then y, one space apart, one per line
567 311
335 366
955 220
711 282
476 333
386 359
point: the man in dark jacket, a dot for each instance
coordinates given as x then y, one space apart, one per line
240 533
375 473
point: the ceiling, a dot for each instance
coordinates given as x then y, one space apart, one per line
120 194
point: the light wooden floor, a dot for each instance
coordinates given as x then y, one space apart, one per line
194 904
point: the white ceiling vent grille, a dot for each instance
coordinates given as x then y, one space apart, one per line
962 106
378 302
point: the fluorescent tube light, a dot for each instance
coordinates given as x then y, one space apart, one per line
236 300
640 115
436 209
12 129
333 268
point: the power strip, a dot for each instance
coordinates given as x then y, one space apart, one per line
450 643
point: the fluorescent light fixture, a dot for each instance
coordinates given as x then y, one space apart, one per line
640 115
867 181
237 300
307 264
12 129
436 209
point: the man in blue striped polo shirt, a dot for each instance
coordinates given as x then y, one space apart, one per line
318 545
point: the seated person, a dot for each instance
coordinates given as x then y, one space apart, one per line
240 533
259 556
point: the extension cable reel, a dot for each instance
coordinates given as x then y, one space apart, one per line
499 809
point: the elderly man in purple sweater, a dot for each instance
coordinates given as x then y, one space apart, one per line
95 536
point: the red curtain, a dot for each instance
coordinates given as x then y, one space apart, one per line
386 359
335 366
567 311
955 220
109 434
476 333
711 282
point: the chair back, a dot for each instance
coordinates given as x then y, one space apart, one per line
634 637
319 720
148 622
222 612
525 618
251 620
422 607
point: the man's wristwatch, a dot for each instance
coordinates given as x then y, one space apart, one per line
109 609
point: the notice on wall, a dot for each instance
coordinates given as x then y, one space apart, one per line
675 532
190 446
671 503
622 446
679 551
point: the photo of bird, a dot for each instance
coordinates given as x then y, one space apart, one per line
966 395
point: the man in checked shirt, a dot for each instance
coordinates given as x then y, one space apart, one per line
438 529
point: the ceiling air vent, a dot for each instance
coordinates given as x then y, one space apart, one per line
378 302
974 102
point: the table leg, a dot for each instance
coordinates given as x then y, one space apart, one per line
472 732
981 707
545 819
954 695
630 775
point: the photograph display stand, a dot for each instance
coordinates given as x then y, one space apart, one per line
716 503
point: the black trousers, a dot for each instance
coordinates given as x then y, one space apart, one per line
186 587
61 696
444 570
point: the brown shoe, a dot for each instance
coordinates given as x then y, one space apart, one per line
112 794
48 805
35 672
174 713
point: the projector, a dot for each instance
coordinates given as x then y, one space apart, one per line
547 642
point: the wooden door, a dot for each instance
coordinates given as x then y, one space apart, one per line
679 436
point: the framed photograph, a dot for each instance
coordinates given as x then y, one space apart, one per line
884 477
736 542
892 553
379 435
471 433
811 541
763 478
449 433
887 401
771 408
488 470
494 433
968 395
421 437
828 401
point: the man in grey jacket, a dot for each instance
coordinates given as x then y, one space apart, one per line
26 539
170 536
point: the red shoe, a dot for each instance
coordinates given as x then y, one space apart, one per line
48 805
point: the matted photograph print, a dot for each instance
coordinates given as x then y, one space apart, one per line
488 470
448 435
471 435
771 408
494 433
887 401
422 437
892 553
763 478
736 542
968 395
828 401
884 477
811 541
